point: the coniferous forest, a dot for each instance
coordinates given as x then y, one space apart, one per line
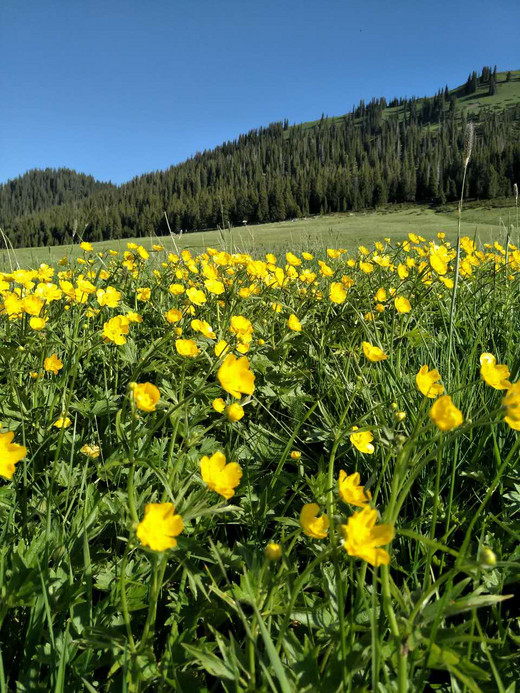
403 151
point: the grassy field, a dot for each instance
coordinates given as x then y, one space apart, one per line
250 474
315 233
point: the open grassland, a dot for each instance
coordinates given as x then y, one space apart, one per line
486 224
232 472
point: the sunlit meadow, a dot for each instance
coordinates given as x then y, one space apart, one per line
225 472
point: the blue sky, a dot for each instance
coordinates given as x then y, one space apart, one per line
116 88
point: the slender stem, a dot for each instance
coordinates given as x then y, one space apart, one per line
456 278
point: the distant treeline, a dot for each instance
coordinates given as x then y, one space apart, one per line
37 190
407 150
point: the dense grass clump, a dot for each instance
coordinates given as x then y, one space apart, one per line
234 473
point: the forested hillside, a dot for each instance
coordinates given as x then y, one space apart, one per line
407 150
40 189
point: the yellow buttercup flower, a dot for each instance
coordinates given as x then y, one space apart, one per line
511 402
132 316
313 526
87 247
173 315
373 353
495 375
294 324
32 304
235 376
445 414
362 537
380 296
144 293
292 259
196 296
295 455
242 328
218 405
402 305
337 293
203 327
427 382
146 396
160 526
439 262
187 347
115 329
10 454
366 267
220 347
53 364
109 297
235 412
214 286
92 451
362 441
176 289
62 422
37 324
402 271
351 490
219 476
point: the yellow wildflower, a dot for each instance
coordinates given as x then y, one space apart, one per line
234 412
115 329
62 422
235 376
495 375
186 347
146 396
402 305
511 402
373 353
219 476
160 526
427 382
351 491
362 441
294 324
445 414
10 454
218 405
91 451
362 537
337 293
53 364
313 526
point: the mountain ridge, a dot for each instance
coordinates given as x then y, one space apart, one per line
405 150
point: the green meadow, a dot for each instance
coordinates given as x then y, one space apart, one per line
487 223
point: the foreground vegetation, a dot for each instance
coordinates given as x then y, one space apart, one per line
238 473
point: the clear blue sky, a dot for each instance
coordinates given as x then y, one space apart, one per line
117 88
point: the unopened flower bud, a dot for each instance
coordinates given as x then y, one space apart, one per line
487 557
273 551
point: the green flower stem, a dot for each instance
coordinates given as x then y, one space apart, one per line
159 563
